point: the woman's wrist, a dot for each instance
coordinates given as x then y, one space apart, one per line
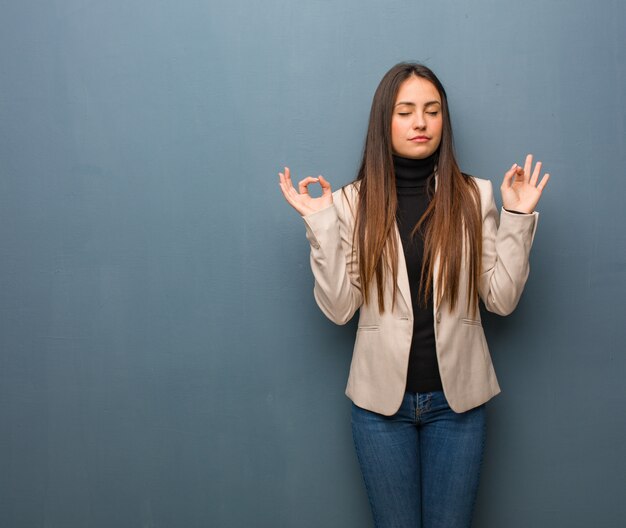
512 211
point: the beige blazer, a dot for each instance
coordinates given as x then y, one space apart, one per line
377 379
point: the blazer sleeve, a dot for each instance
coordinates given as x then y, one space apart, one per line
337 289
505 254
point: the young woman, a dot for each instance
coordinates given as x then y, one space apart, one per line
414 243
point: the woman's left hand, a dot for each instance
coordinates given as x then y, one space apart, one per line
519 189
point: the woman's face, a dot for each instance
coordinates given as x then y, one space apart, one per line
416 124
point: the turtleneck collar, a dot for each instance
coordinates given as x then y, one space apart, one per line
411 173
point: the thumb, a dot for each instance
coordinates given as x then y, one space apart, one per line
508 176
326 189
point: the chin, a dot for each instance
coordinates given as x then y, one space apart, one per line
415 154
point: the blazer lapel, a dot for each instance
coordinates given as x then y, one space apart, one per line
436 263
403 275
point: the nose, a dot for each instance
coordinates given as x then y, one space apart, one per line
419 121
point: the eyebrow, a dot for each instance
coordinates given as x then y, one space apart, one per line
409 103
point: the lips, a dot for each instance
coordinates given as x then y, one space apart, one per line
419 138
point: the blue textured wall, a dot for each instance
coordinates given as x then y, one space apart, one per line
163 362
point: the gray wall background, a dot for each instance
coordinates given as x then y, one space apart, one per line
163 362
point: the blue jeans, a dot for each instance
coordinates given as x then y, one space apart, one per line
421 466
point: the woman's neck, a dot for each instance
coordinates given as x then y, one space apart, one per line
411 172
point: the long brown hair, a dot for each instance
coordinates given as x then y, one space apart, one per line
453 212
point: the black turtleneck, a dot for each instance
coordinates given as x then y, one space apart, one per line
412 178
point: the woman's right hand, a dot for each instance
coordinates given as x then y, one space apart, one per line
302 201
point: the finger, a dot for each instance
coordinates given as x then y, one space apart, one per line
287 187
535 176
287 178
543 182
519 174
288 196
293 193
302 186
528 166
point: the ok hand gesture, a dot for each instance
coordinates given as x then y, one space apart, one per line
519 189
303 202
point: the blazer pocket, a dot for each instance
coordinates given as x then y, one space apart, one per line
475 322
368 328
